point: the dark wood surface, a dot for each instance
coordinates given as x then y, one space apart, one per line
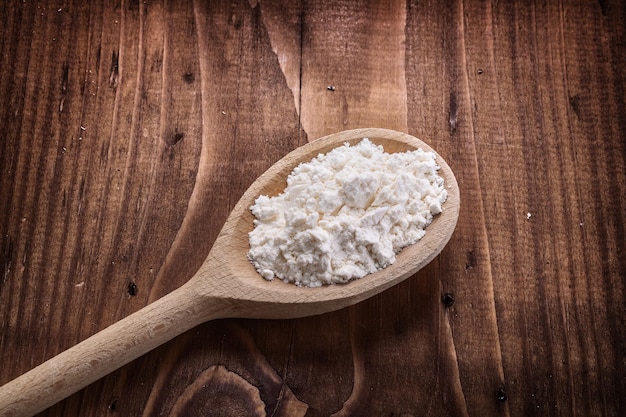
129 130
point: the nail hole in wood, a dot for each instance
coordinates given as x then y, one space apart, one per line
189 77
501 394
132 289
470 260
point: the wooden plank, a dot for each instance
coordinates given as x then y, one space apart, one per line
443 113
408 321
528 154
355 80
138 96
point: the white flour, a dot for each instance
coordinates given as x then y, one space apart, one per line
345 214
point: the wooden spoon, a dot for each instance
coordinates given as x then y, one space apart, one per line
227 285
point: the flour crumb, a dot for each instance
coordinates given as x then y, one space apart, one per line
345 214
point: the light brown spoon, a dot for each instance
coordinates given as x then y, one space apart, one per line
227 285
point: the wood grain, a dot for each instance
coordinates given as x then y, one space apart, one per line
130 129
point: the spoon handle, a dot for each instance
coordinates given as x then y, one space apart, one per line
107 351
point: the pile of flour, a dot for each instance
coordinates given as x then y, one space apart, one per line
345 214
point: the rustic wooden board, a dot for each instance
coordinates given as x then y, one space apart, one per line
129 130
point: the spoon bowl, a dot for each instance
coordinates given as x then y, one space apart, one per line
277 299
227 285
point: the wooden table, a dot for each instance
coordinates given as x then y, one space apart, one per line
128 132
